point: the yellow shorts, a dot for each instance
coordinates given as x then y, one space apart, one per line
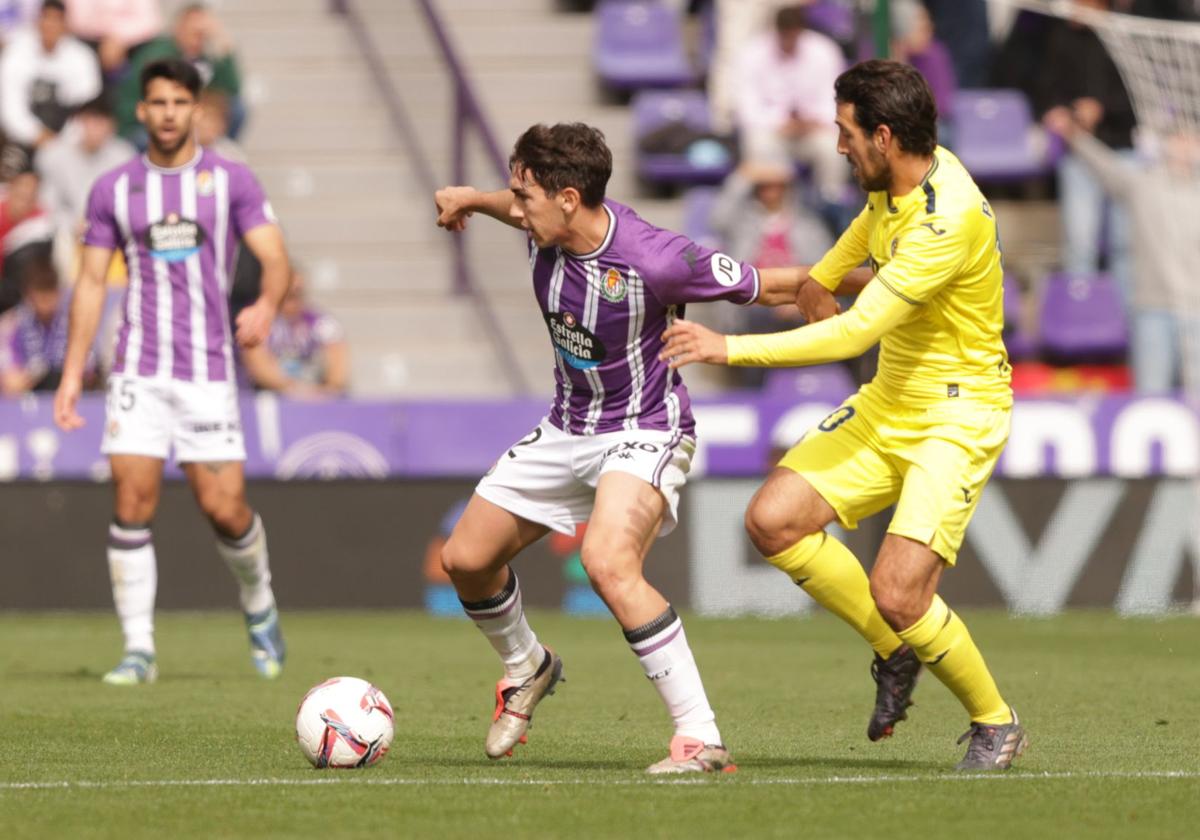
932 463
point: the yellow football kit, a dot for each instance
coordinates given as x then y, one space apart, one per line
926 432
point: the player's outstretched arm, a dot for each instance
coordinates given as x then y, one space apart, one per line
457 204
87 305
877 311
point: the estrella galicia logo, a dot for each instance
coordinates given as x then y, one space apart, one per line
579 347
174 239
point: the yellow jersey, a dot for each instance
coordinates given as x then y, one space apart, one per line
935 304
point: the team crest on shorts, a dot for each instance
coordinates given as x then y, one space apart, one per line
614 288
114 428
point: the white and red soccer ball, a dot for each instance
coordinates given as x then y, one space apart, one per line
344 722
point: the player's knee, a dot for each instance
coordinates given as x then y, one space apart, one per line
228 514
895 605
771 529
135 503
610 570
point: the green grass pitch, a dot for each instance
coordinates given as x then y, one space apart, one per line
1111 704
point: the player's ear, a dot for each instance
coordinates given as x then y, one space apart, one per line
140 111
568 200
882 138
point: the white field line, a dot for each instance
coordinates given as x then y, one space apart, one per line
502 782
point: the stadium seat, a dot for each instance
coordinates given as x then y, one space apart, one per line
1018 341
1082 319
832 18
821 383
693 155
995 136
697 211
639 45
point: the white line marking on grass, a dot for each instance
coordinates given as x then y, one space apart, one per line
502 782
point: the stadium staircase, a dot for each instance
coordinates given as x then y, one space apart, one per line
351 202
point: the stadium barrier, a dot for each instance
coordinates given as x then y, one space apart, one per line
1093 505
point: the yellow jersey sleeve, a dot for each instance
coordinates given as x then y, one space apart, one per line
877 311
927 257
848 252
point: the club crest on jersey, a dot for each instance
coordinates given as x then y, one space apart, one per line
613 287
174 239
206 185
578 346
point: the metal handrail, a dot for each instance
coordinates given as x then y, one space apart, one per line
468 114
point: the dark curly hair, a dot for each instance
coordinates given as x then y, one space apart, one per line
565 155
894 94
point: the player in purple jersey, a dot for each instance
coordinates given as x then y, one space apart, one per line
616 446
177 213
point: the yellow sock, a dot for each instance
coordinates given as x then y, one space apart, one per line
942 642
832 575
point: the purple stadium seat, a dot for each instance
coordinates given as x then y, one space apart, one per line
1082 319
697 210
825 383
703 161
638 44
995 136
832 18
1018 341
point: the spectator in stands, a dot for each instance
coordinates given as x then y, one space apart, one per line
306 355
26 232
760 219
45 74
913 41
33 335
115 28
1161 197
212 126
783 104
198 37
87 148
1079 76
962 25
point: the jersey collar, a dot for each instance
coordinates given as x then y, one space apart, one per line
923 193
608 238
174 170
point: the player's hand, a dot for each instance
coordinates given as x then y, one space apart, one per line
254 323
454 207
687 342
66 404
816 303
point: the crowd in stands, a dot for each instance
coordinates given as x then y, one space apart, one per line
69 87
783 193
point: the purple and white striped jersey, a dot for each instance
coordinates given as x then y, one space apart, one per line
179 230
606 312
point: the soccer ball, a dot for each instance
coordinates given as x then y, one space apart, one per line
344 722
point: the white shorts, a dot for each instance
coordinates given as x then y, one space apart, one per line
199 420
550 476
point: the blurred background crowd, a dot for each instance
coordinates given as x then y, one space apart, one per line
729 114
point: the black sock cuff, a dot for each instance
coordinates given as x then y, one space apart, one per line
653 627
499 599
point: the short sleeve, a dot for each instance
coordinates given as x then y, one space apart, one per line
685 272
100 229
928 256
248 204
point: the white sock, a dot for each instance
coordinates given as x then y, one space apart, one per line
661 646
134 575
502 620
246 557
